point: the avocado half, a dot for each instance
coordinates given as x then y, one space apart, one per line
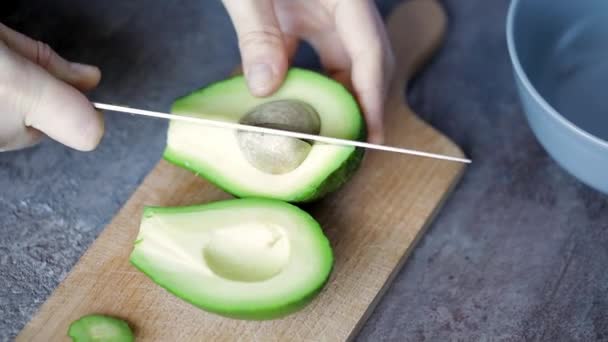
100 328
256 165
242 258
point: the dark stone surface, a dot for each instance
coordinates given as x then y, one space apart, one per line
519 252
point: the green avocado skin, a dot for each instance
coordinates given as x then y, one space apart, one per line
336 179
250 315
267 312
331 183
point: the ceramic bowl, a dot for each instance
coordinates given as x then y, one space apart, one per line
559 52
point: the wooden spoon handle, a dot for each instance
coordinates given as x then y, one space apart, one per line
415 29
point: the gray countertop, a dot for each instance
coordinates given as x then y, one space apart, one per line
518 252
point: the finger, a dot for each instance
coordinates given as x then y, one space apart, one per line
284 13
333 57
81 76
305 20
14 138
359 26
261 44
40 101
291 46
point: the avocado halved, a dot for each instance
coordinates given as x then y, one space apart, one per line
256 165
100 328
242 258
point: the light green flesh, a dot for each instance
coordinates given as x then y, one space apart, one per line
243 258
217 154
100 328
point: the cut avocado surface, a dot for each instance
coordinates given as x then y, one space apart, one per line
100 328
248 164
242 258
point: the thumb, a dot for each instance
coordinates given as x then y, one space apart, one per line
32 98
261 44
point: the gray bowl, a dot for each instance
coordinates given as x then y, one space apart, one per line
559 52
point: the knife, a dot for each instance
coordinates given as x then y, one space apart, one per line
273 131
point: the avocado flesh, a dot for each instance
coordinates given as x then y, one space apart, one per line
215 153
100 328
243 258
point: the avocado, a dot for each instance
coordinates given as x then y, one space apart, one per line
249 258
100 328
251 164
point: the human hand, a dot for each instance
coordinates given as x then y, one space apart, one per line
348 35
40 95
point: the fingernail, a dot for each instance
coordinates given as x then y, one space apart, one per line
259 78
85 70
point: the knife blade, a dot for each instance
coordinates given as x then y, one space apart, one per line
273 131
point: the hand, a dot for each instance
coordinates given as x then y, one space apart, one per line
348 36
40 95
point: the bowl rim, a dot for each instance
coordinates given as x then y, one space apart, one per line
523 77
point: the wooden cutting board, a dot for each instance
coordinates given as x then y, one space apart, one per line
373 224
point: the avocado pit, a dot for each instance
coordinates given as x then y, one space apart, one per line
278 154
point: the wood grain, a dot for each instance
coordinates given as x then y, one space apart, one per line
372 223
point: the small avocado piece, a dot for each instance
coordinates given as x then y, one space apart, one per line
254 165
100 328
251 258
